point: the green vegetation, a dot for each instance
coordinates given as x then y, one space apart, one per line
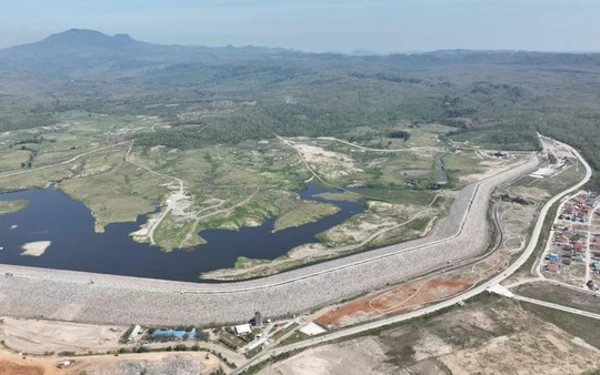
496 99
114 190
243 262
559 295
230 340
421 198
381 224
345 196
306 212
285 331
294 338
461 164
254 352
9 207
212 120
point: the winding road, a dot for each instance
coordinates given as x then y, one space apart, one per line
68 295
490 284
463 234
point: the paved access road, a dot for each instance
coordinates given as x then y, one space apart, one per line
557 307
452 301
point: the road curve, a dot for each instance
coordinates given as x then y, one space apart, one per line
68 295
535 236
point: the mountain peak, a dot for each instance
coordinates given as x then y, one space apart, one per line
123 37
80 39
79 31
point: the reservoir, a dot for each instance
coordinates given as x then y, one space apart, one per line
69 225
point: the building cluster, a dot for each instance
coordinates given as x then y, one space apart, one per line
242 330
575 240
567 246
595 253
579 209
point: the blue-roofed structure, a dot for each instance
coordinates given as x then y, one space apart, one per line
174 333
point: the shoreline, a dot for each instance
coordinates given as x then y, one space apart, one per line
70 295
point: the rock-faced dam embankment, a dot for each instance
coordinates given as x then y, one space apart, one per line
67 295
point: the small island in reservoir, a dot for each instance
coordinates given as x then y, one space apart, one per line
35 249
9 207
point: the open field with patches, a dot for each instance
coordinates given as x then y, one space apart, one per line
394 214
515 208
73 298
489 335
94 158
560 295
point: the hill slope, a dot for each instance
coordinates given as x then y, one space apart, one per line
496 98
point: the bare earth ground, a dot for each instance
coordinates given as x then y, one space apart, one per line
398 299
39 337
514 218
491 168
491 337
124 364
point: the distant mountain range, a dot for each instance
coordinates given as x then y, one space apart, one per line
90 54
77 39
75 49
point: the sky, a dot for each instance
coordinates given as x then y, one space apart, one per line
319 25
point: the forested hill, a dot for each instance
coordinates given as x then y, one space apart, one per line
228 94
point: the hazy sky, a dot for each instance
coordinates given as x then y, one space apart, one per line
319 25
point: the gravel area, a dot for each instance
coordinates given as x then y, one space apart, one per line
175 365
65 295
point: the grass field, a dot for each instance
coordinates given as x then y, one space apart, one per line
345 196
11 160
562 296
306 212
114 190
8 207
580 326
225 186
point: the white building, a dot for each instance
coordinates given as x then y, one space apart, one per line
242 329
312 329
136 331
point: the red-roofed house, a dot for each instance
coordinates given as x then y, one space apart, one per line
552 267
578 246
